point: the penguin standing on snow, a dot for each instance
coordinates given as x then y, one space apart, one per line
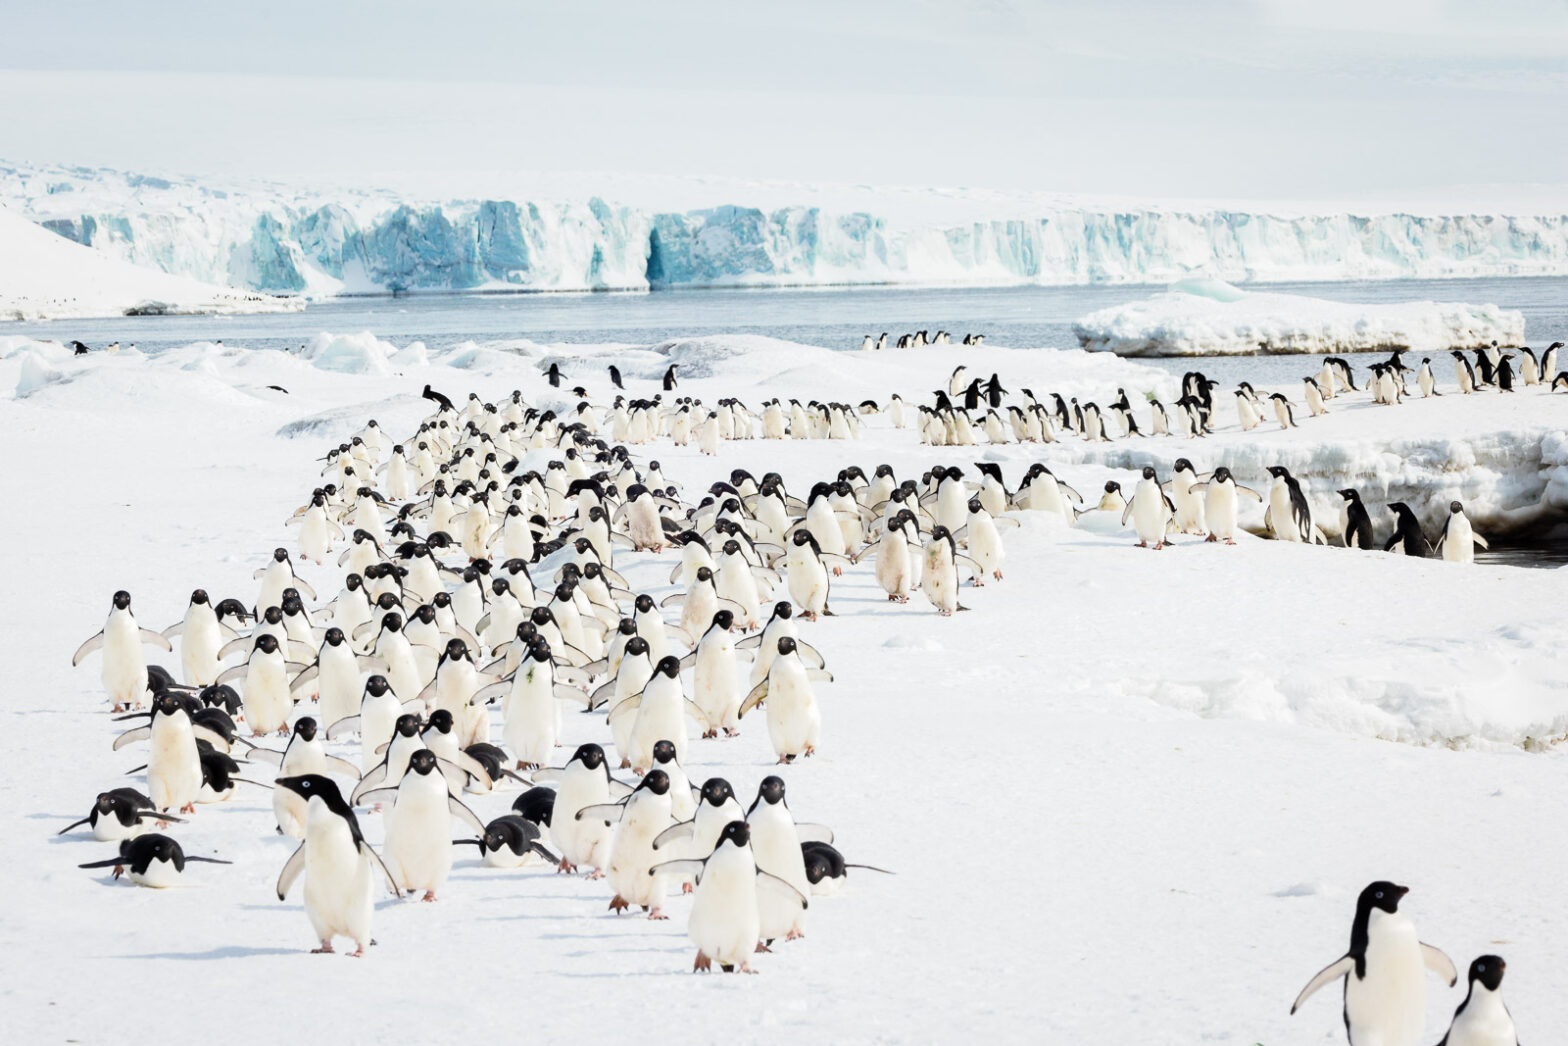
615 376
555 375
1221 496
725 924
1458 541
669 378
1150 510
340 868
124 665
1383 971
1355 525
1482 1019
1289 513
1407 532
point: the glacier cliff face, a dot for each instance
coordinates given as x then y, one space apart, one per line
286 241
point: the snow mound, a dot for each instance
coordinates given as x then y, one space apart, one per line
1209 317
43 276
361 353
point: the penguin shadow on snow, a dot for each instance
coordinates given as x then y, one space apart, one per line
231 951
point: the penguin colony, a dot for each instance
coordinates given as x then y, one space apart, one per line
444 640
424 683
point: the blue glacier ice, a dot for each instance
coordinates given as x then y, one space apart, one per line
285 241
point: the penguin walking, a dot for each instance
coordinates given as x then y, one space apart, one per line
124 665
1458 541
807 575
1289 513
1221 499
725 924
339 867
615 377
669 378
1482 1019
585 781
984 542
201 636
150 860
1383 971
1425 380
775 843
1355 525
939 572
1150 510
794 720
418 847
1407 536
640 818
715 679
174 774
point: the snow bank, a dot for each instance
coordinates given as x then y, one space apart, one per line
1209 317
45 277
274 239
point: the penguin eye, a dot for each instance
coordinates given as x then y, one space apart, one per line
1380 895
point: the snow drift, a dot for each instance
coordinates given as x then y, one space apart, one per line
272 239
1209 317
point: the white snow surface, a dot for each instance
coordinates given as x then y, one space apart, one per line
43 276
1208 317
1130 796
529 232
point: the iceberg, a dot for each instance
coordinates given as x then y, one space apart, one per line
1210 318
282 241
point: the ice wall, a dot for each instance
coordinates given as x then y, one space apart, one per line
284 240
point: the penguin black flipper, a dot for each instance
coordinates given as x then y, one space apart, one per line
759 694
610 812
74 824
375 859
1439 963
93 643
673 833
460 811
1341 967
686 867
813 833
544 851
780 888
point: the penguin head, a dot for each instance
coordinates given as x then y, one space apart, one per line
975 506
281 555
704 574
643 603
1455 508
771 790
656 781
122 600
1488 969
500 586
783 609
732 547
377 686
736 833
441 721
589 755
1349 493
627 627
664 752
669 666
786 645
442 600
456 649
199 597
392 622
724 620
407 726
267 643
1382 895
305 728
636 646
425 614
1112 487
1278 471
167 703
541 616
716 791
1148 472
334 636
353 582
386 600
422 762
527 631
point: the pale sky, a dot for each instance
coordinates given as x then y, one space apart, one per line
1218 99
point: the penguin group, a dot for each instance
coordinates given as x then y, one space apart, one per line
918 340
479 596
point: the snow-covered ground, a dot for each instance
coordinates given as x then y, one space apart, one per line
542 232
1202 317
43 276
1130 796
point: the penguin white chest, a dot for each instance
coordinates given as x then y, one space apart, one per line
1387 1007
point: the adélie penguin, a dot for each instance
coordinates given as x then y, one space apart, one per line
641 817
1482 1019
339 867
1457 544
794 720
775 842
1384 972
124 664
510 841
150 860
725 924
1355 526
1407 536
1221 498
418 847
119 813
